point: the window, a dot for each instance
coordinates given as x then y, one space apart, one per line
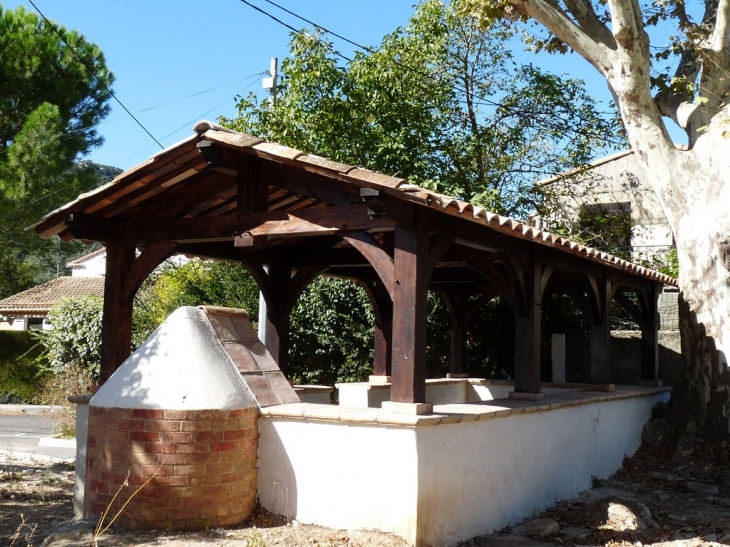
607 226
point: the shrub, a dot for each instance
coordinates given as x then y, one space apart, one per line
21 376
75 337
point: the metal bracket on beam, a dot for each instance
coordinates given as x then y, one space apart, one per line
213 157
373 202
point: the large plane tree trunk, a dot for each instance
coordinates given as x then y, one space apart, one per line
693 185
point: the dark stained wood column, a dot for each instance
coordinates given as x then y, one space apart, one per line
116 324
409 315
456 302
124 276
601 295
650 334
530 279
281 290
383 312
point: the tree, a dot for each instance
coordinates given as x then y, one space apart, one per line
50 104
440 102
75 338
692 183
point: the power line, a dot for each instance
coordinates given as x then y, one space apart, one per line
90 71
370 50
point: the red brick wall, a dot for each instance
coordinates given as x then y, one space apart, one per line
201 466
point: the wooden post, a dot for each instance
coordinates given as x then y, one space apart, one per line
383 312
116 324
277 317
409 316
456 302
650 334
281 291
601 296
528 326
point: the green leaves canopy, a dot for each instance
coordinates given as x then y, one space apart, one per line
49 105
440 102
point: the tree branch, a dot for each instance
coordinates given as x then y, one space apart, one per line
720 38
586 17
688 70
586 45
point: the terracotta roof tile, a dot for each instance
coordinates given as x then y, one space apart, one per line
41 298
399 188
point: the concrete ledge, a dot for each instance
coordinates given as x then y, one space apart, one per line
407 408
526 396
455 413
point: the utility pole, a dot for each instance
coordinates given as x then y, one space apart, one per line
269 84
270 81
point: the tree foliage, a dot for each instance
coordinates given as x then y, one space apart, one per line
75 338
192 283
331 333
440 102
50 104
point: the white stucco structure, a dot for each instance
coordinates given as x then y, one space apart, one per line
181 366
438 479
616 179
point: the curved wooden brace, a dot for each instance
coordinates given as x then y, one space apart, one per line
152 256
504 285
380 300
380 260
438 249
297 284
600 297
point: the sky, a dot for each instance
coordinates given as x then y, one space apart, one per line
176 62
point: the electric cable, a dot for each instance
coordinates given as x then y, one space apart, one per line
370 50
90 71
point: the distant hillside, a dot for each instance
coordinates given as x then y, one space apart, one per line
106 173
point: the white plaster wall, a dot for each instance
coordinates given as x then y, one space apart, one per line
340 476
442 484
480 476
19 323
92 267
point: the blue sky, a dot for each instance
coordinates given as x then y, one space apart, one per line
180 61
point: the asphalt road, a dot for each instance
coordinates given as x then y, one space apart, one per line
21 433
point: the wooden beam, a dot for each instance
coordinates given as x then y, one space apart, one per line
600 294
116 325
409 315
650 334
376 256
311 222
528 326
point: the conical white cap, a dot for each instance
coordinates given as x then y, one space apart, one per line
181 366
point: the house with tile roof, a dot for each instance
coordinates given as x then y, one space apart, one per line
29 309
616 186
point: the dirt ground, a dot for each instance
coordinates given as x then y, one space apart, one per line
659 498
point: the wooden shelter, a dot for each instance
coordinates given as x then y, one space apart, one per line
290 216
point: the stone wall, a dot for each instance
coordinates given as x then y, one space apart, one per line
625 357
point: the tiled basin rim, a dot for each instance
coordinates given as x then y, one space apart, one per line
461 412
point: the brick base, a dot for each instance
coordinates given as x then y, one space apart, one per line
198 468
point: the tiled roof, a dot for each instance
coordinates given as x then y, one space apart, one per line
39 299
170 169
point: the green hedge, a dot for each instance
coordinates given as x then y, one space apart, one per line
21 376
